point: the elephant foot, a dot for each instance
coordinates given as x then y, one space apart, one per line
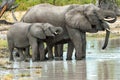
11 60
58 58
27 59
20 59
69 59
42 59
79 58
46 58
84 57
35 60
50 58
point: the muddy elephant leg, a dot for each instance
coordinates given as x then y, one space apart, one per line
59 52
41 51
70 50
75 36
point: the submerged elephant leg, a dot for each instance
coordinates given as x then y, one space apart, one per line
41 51
70 50
75 36
50 54
27 52
22 57
50 51
83 35
59 52
34 45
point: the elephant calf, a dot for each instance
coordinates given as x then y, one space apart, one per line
23 35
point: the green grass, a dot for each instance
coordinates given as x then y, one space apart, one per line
25 4
3 43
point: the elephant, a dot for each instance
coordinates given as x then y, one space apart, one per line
23 35
75 20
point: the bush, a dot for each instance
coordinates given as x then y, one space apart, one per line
25 4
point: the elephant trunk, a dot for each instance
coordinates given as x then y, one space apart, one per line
57 30
106 27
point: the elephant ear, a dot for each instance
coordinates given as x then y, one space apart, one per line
75 18
90 10
37 31
47 29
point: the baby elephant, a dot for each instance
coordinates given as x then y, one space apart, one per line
23 35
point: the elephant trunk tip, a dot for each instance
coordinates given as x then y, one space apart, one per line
103 47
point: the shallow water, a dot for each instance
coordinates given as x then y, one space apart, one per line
99 65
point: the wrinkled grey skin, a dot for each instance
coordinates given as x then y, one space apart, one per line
23 35
75 19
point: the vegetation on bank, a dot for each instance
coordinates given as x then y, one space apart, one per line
26 4
3 43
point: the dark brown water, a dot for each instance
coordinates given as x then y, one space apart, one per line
99 65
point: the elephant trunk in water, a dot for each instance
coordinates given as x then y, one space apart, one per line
106 27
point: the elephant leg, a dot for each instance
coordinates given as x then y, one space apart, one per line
59 52
46 51
41 51
22 56
50 52
83 35
11 48
70 50
34 45
11 54
75 36
56 50
27 52
35 52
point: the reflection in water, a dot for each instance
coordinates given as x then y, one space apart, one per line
99 65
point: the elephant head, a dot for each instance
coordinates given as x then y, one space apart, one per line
7 5
89 18
43 30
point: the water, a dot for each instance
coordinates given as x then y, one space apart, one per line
99 65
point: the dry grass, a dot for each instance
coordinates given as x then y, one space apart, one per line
7 77
8 16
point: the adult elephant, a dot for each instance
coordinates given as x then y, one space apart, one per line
75 19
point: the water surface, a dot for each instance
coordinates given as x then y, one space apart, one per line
99 65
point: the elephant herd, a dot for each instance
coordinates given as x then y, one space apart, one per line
55 26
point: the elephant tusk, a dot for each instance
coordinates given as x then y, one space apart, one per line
55 33
109 30
109 19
